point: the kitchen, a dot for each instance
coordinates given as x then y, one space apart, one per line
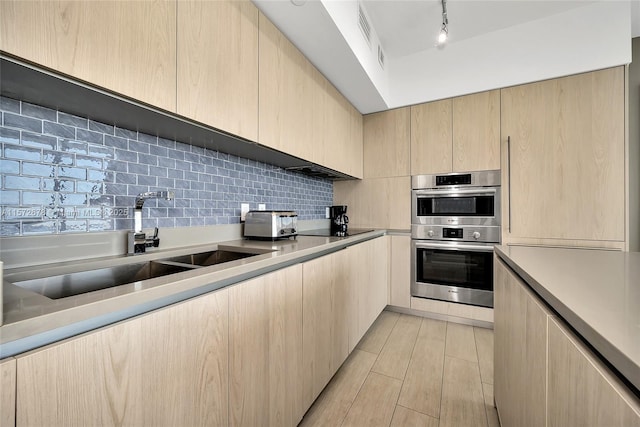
265 91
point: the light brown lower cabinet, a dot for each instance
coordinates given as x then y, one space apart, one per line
166 368
265 350
255 353
520 339
8 392
582 391
544 374
369 269
400 271
326 314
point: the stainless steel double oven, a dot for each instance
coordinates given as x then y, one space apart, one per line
455 223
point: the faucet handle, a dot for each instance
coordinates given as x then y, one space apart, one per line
155 239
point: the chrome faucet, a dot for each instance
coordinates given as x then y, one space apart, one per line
137 241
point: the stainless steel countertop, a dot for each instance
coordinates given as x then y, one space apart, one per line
597 292
32 320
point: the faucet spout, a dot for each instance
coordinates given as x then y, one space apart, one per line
141 198
137 242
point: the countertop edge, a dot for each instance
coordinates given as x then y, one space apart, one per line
623 364
11 344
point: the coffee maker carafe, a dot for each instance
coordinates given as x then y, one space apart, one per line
339 220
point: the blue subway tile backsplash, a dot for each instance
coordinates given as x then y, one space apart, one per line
66 174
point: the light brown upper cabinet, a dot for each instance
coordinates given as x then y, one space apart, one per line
126 47
431 137
387 143
456 135
217 58
476 132
563 168
300 112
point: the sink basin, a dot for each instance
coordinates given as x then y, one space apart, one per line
204 259
66 285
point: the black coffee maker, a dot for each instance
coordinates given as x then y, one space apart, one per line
339 220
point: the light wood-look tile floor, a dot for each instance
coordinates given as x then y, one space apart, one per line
412 371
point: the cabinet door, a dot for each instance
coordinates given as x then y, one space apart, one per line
8 392
400 271
582 391
290 96
432 137
127 47
476 132
565 179
325 321
520 337
369 270
217 71
387 143
185 370
342 134
265 357
376 202
166 368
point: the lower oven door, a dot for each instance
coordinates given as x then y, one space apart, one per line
452 271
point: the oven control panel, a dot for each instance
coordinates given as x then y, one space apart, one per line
486 234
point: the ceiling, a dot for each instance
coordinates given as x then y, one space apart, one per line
491 43
406 27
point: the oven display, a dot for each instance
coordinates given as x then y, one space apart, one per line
452 233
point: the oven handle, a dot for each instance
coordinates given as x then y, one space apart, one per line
457 247
455 192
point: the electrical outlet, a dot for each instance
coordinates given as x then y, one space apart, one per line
326 212
244 208
262 207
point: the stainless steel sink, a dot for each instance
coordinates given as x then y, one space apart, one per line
66 285
210 258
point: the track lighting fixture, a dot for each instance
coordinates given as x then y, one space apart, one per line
444 30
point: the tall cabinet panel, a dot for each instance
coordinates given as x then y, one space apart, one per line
326 317
127 47
265 350
564 159
217 52
127 373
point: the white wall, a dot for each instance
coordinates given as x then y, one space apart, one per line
595 36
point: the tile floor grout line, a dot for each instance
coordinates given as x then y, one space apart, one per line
444 359
411 357
419 412
355 397
484 399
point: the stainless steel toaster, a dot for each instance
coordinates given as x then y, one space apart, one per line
271 224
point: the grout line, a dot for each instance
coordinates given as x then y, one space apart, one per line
444 360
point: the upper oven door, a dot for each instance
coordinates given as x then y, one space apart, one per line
478 206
